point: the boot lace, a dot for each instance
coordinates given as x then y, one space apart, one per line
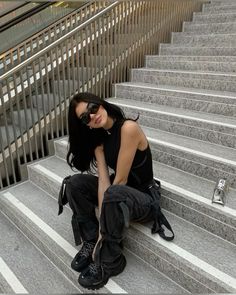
87 249
94 269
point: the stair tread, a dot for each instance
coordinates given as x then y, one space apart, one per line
179 179
45 207
208 59
210 249
206 149
218 74
21 256
193 115
211 244
206 92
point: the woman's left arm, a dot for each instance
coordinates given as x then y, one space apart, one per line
131 136
103 175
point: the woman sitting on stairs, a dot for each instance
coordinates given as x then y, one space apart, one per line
100 136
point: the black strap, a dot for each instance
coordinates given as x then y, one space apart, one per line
62 198
159 217
157 226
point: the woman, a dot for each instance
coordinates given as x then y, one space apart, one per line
100 136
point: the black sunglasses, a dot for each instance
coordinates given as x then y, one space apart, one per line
92 108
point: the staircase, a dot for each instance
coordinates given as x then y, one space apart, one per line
186 98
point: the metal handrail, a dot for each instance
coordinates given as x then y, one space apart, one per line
23 16
91 57
7 54
57 42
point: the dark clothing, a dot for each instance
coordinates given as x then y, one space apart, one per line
141 171
121 204
136 201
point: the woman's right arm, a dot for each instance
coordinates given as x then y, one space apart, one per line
103 175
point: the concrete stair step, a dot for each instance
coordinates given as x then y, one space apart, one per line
222 2
186 98
210 28
46 101
191 79
216 8
185 194
64 89
26 118
221 17
208 50
24 269
194 156
191 65
8 135
204 126
203 272
205 40
200 58
205 17
36 213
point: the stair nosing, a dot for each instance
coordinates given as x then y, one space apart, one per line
176 115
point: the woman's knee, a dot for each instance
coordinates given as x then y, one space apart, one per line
116 191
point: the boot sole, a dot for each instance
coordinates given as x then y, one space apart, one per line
104 282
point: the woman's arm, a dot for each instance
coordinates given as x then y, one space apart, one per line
103 175
132 138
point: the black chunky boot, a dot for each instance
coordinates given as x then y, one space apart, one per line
84 257
96 276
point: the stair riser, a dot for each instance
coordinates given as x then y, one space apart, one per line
222 2
47 184
178 39
186 130
179 100
166 49
201 59
213 18
60 150
189 80
192 66
178 270
64 90
219 28
219 8
200 216
55 254
197 165
163 257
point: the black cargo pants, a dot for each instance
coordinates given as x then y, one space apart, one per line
121 204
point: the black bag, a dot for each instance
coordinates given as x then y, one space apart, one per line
159 218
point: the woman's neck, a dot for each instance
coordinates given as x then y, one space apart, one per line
110 122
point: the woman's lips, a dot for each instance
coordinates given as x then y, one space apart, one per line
98 120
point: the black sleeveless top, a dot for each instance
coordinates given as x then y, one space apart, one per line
141 171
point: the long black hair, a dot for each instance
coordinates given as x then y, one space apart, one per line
82 139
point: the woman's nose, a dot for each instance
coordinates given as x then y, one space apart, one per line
92 116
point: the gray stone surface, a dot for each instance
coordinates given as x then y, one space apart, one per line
199 17
45 207
188 117
179 98
174 49
219 8
61 149
35 272
204 40
216 28
186 65
200 278
194 79
200 58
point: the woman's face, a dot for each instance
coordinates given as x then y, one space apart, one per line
93 115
